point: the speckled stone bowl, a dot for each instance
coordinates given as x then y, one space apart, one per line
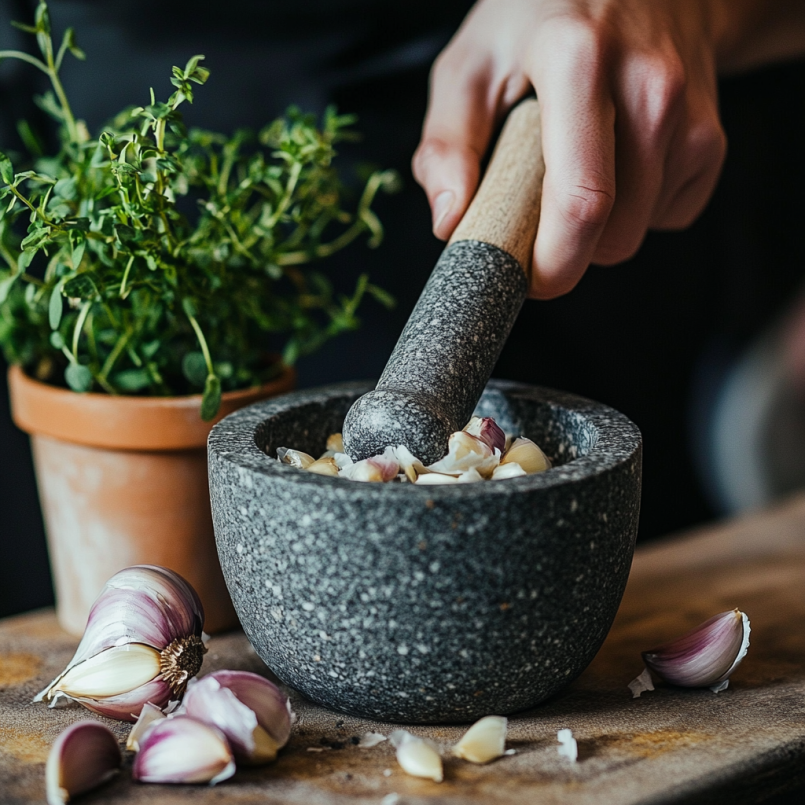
427 604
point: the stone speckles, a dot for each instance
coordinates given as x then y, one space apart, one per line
382 567
444 357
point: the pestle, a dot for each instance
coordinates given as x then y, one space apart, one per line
445 355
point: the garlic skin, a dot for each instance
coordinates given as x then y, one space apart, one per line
296 458
467 452
410 465
148 715
181 749
83 757
417 756
705 656
485 740
488 431
142 644
568 747
377 469
252 712
528 455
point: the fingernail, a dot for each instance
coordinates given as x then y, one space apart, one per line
442 205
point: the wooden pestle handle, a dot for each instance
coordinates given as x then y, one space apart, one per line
505 210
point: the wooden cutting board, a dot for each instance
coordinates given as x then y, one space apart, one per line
668 746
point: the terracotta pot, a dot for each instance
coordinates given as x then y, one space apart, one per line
123 481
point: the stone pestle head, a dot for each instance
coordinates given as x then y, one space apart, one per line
453 338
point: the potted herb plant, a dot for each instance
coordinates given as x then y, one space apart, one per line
145 276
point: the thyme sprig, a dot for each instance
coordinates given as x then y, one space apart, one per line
162 260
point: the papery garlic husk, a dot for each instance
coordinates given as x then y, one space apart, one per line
181 749
377 469
417 756
705 656
488 431
485 740
510 470
409 463
296 458
148 715
324 466
83 757
527 454
142 643
467 452
568 747
252 712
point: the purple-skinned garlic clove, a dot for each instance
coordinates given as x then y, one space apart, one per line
252 712
182 749
148 715
488 431
83 757
142 643
704 657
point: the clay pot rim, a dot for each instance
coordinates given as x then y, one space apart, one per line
125 422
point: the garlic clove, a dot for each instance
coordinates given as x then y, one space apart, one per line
409 463
465 452
371 739
436 478
378 469
83 757
324 466
112 672
249 710
705 656
509 470
528 455
417 756
488 431
335 443
148 715
485 740
568 747
145 606
181 749
296 458
342 461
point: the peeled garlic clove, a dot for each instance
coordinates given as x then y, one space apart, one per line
416 756
485 740
324 466
83 757
487 430
568 747
142 643
436 478
510 470
181 749
705 656
148 715
296 458
528 455
252 712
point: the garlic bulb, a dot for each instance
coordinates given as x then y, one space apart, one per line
488 431
252 712
181 749
417 756
142 644
528 455
705 656
83 757
485 740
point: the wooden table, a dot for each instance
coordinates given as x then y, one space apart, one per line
668 746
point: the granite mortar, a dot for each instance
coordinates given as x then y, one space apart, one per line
427 604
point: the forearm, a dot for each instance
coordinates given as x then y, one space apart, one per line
751 33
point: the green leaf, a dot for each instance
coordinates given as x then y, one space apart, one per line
78 377
5 287
67 189
55 307
81 287
132 380
33 241
211 401
78 253
194 368
56 340
72 45
24 260
6 169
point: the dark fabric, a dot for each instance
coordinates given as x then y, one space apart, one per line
630 336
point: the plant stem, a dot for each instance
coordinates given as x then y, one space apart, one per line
79 326
22 56
202 342
112 357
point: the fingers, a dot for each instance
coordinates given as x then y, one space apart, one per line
466 100
578 141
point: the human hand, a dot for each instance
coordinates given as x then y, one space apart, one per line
631 132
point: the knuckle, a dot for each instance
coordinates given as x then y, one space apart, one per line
665 87
706 143
587 205
576 41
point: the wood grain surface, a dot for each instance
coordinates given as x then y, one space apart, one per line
669 746
505 210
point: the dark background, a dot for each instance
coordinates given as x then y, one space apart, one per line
649 337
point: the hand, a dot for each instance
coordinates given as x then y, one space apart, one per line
631 132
